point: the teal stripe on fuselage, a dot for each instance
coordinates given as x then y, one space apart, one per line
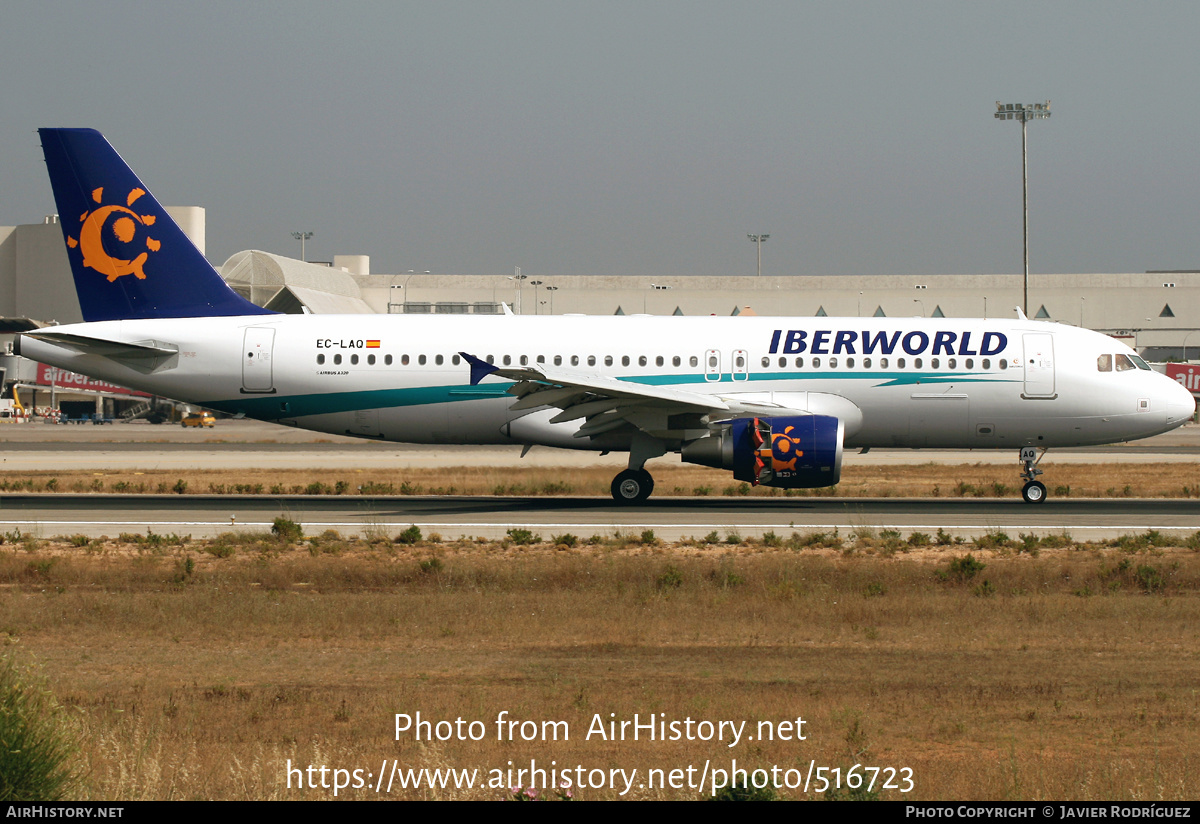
275 407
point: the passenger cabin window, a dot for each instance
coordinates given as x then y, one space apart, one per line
404 360
421 360
624 360
866 363
320 359
508 360
371 359
675 361
438 360
608 360
387 359
659 361
337 358
694 361
574 360
558 360
354 359
642 361
591 360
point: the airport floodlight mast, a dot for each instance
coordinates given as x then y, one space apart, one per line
302 236
1024 112
757 240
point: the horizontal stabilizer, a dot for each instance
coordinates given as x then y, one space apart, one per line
145 356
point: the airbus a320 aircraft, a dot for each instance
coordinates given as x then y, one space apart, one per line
774 400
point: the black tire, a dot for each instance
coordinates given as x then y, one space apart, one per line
1034 492
632 486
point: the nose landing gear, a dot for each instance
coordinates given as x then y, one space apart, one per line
1034 491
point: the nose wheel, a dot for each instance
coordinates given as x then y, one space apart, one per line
1034 491
632 486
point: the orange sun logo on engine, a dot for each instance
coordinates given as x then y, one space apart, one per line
784 450
113 239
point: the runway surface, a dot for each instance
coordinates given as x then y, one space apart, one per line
244 443
234 444
47 515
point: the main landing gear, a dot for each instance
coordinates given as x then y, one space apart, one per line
634 485
1034 491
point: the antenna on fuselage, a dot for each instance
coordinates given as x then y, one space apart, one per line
1021 313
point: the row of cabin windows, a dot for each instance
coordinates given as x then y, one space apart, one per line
814 362
387 360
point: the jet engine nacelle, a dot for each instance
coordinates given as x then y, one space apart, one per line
791 452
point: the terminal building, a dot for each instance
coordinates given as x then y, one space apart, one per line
1153 312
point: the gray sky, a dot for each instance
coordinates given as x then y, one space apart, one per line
632 138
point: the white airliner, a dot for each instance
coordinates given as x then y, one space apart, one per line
774 400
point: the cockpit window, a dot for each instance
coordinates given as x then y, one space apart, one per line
1141 364
1104 363
1124 364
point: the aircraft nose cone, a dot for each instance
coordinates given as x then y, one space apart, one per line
1181 406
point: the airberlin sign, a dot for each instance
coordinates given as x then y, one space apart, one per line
1186 375
61 378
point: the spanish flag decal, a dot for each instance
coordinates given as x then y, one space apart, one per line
372 344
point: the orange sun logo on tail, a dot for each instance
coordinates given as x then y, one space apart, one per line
123 232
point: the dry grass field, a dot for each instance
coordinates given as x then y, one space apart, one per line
198 669
917 480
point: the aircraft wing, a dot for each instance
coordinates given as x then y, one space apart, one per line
608 403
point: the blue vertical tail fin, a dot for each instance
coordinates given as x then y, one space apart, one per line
129 258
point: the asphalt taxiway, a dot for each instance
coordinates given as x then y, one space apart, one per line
234 444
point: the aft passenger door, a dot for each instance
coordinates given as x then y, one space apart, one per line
257 355
1039 365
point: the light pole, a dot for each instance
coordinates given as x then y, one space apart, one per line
535 284
302 236
1024 112
520 279
757 240
921 304
552 290
1185 339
